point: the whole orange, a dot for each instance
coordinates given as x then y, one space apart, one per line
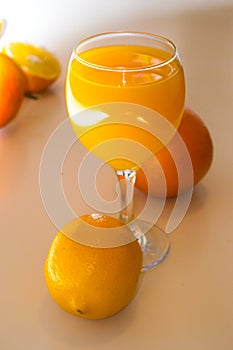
197 139
12 88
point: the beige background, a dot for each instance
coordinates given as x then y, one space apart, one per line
186 302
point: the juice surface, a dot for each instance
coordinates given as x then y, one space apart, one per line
132 75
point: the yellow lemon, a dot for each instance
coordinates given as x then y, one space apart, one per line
92 282
39 65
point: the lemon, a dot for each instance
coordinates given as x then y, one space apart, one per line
39 65
92 282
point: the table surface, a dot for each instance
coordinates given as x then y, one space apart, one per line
187 301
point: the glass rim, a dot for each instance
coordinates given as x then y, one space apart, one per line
174 55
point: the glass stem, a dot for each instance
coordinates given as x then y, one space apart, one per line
126 180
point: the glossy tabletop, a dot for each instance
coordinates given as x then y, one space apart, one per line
186 303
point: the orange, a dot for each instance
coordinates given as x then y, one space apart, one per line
12 88
41 68
198 141
88 281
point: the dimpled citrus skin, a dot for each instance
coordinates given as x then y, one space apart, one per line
91 282
12 88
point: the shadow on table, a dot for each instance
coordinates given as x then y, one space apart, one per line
74 331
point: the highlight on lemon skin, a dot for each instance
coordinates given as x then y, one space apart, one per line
40 66
92 282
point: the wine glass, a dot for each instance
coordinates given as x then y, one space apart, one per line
130 87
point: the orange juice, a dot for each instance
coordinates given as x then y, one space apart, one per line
122 86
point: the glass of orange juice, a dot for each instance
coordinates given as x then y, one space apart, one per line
130 90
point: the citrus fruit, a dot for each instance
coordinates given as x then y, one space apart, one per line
12 88
198 141
39 65
88 281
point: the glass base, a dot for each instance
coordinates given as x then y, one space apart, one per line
153 241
